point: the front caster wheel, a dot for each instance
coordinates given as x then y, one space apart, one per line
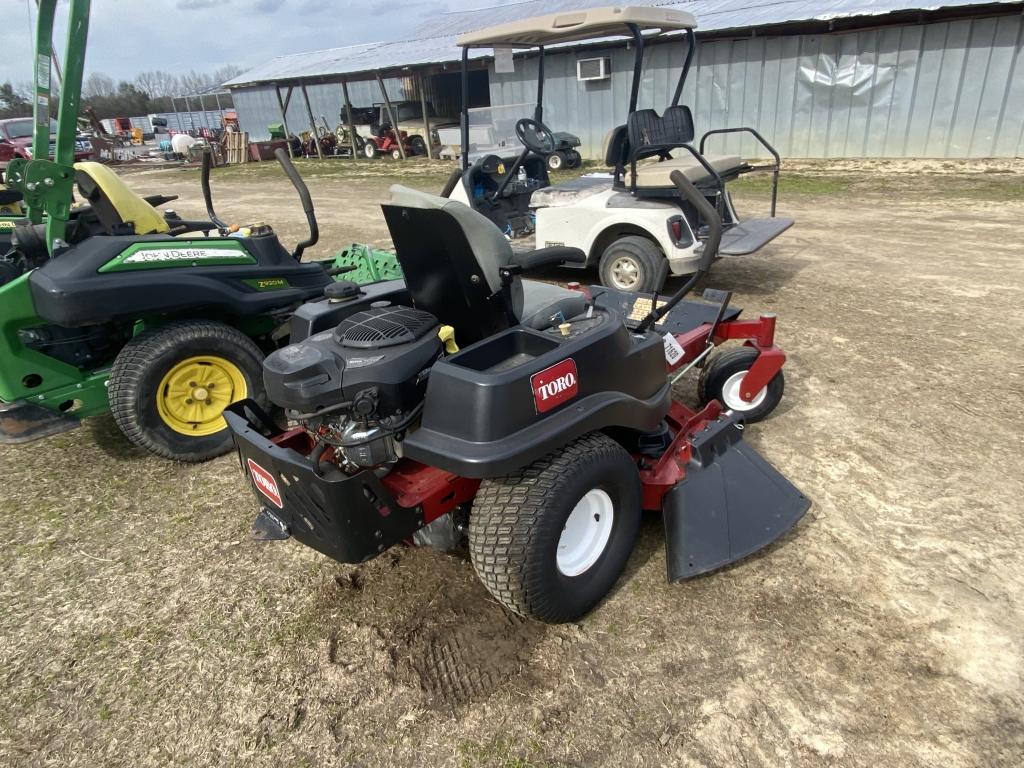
721 381
169 387
551 540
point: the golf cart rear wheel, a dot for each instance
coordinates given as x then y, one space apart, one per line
556 161
551 540
370 150
721 381
573 159
635 264
169 387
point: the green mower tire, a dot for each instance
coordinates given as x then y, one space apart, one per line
169 386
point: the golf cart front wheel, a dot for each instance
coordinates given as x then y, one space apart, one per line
551 540
721 381
556 161
635 264
169 387
370 150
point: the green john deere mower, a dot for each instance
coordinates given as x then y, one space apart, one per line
113 305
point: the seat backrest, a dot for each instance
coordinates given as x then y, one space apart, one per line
616 147
451 257
115 204
647 129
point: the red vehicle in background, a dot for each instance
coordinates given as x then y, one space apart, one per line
16 141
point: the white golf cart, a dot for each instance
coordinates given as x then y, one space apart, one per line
631 221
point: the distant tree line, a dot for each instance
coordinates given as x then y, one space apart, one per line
148 92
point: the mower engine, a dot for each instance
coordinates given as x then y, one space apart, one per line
357 387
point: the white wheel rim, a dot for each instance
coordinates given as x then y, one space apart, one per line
625 273
586 533
732 399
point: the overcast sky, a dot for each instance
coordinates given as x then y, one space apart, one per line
130 36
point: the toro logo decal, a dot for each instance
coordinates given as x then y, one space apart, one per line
555 385
265 483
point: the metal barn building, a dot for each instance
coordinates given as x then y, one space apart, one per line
819 78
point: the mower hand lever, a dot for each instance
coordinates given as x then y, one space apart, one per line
707 212
207 194
307 202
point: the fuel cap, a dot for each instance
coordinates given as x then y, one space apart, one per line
341 290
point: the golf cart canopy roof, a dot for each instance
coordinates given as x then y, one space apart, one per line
571 26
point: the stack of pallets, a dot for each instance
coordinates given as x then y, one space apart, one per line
236 146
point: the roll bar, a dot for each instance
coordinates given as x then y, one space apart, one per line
707 256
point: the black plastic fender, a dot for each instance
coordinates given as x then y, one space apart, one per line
731 503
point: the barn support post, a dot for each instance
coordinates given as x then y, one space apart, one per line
312 122
348 117
391 116
421 83
283 104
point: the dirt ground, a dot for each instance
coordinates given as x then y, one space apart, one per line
140 626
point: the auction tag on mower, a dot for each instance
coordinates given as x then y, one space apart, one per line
265 483
673 349
555 385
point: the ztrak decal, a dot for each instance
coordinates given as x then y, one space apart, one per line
265 483
555 385
6 225
267 283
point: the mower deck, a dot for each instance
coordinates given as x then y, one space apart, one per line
22 422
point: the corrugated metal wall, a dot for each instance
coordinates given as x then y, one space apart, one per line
257 107
949 89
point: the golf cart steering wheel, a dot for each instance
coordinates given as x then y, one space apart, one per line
535 136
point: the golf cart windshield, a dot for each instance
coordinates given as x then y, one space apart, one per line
572 26
22 129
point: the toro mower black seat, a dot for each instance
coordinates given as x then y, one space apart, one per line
9 196
452 257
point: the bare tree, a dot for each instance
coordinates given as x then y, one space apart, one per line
158 84
98 85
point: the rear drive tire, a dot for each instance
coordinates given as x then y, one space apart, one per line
370 150
635 264
556 161
169 386
550 540
573 159
721 379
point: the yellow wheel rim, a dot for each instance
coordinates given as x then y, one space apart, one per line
192 395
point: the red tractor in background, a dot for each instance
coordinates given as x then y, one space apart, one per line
383 141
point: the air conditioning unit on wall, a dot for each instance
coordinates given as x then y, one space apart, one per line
593 69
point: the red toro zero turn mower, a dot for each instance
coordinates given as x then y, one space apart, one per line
546 435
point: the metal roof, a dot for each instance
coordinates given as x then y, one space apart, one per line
434 41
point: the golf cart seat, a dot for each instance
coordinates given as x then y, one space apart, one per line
647 141
463 300
655 173
571 192
119 210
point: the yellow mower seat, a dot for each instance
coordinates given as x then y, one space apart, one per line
114 203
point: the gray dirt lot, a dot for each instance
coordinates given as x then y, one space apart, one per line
142 627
